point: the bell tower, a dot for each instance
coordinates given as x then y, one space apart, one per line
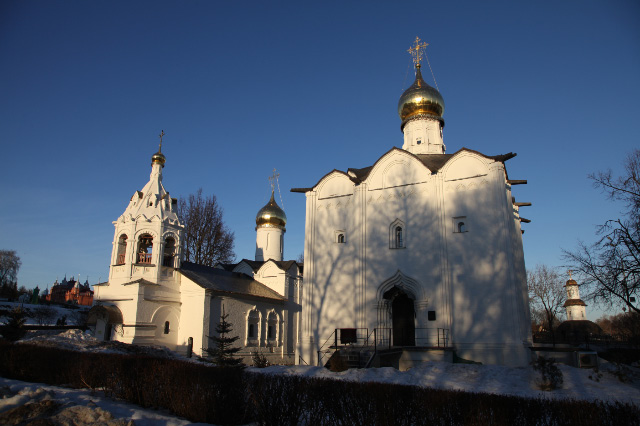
148 234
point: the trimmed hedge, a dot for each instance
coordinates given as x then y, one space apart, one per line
202 393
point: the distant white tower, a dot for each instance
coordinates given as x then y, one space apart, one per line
576 308
420 107
270 229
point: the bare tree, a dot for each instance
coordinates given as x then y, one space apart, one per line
611 266
9 266
207 239
546 294
43 314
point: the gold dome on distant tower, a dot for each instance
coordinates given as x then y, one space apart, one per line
271 215
420 98
159 157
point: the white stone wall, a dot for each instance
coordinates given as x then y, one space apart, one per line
473 280
269 243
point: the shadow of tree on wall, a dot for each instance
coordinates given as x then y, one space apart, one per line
472 279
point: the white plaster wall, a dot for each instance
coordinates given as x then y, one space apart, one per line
473 280
238 309
428 132
273 277
193 315
269 243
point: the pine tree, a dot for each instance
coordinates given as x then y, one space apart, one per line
13 329
223 350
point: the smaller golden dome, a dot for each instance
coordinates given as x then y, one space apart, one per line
420 98
159 158
271 215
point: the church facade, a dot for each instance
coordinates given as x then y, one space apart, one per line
154 297
423 247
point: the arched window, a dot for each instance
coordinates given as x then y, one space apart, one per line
122 249
460 224
169 252
397 235
341 238
253 328
272 329
166 327
145 248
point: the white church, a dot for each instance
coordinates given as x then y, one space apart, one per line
153 297
419 254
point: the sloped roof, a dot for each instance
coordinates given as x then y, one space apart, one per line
574 302
222 281
433 162
255 265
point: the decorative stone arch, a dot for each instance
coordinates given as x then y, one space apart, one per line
141 247
167 322
397 235
170 249
399 292
377 177
410 286
122 240
253 320
272 334
104 319
479 166
334 184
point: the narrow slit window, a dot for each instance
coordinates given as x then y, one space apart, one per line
166 327
399 242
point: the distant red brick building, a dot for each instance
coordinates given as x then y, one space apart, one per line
70 291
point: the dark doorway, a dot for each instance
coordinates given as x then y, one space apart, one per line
403 315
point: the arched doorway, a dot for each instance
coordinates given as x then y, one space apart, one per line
402 317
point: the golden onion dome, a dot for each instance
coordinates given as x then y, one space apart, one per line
159 158
420 98
271 215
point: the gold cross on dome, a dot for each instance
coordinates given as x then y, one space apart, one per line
161 135
417 51
569 271
273 179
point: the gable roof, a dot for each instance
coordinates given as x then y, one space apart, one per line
222 281
433 162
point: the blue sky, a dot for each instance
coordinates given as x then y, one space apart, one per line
241 88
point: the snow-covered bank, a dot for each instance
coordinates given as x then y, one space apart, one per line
582 384
494 379
83 407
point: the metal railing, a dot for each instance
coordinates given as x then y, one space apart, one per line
368 343
144 257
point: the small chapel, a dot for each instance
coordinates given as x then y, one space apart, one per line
418 256
154 297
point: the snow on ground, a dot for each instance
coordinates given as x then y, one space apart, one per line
82 406
603 385
56 312
494 379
